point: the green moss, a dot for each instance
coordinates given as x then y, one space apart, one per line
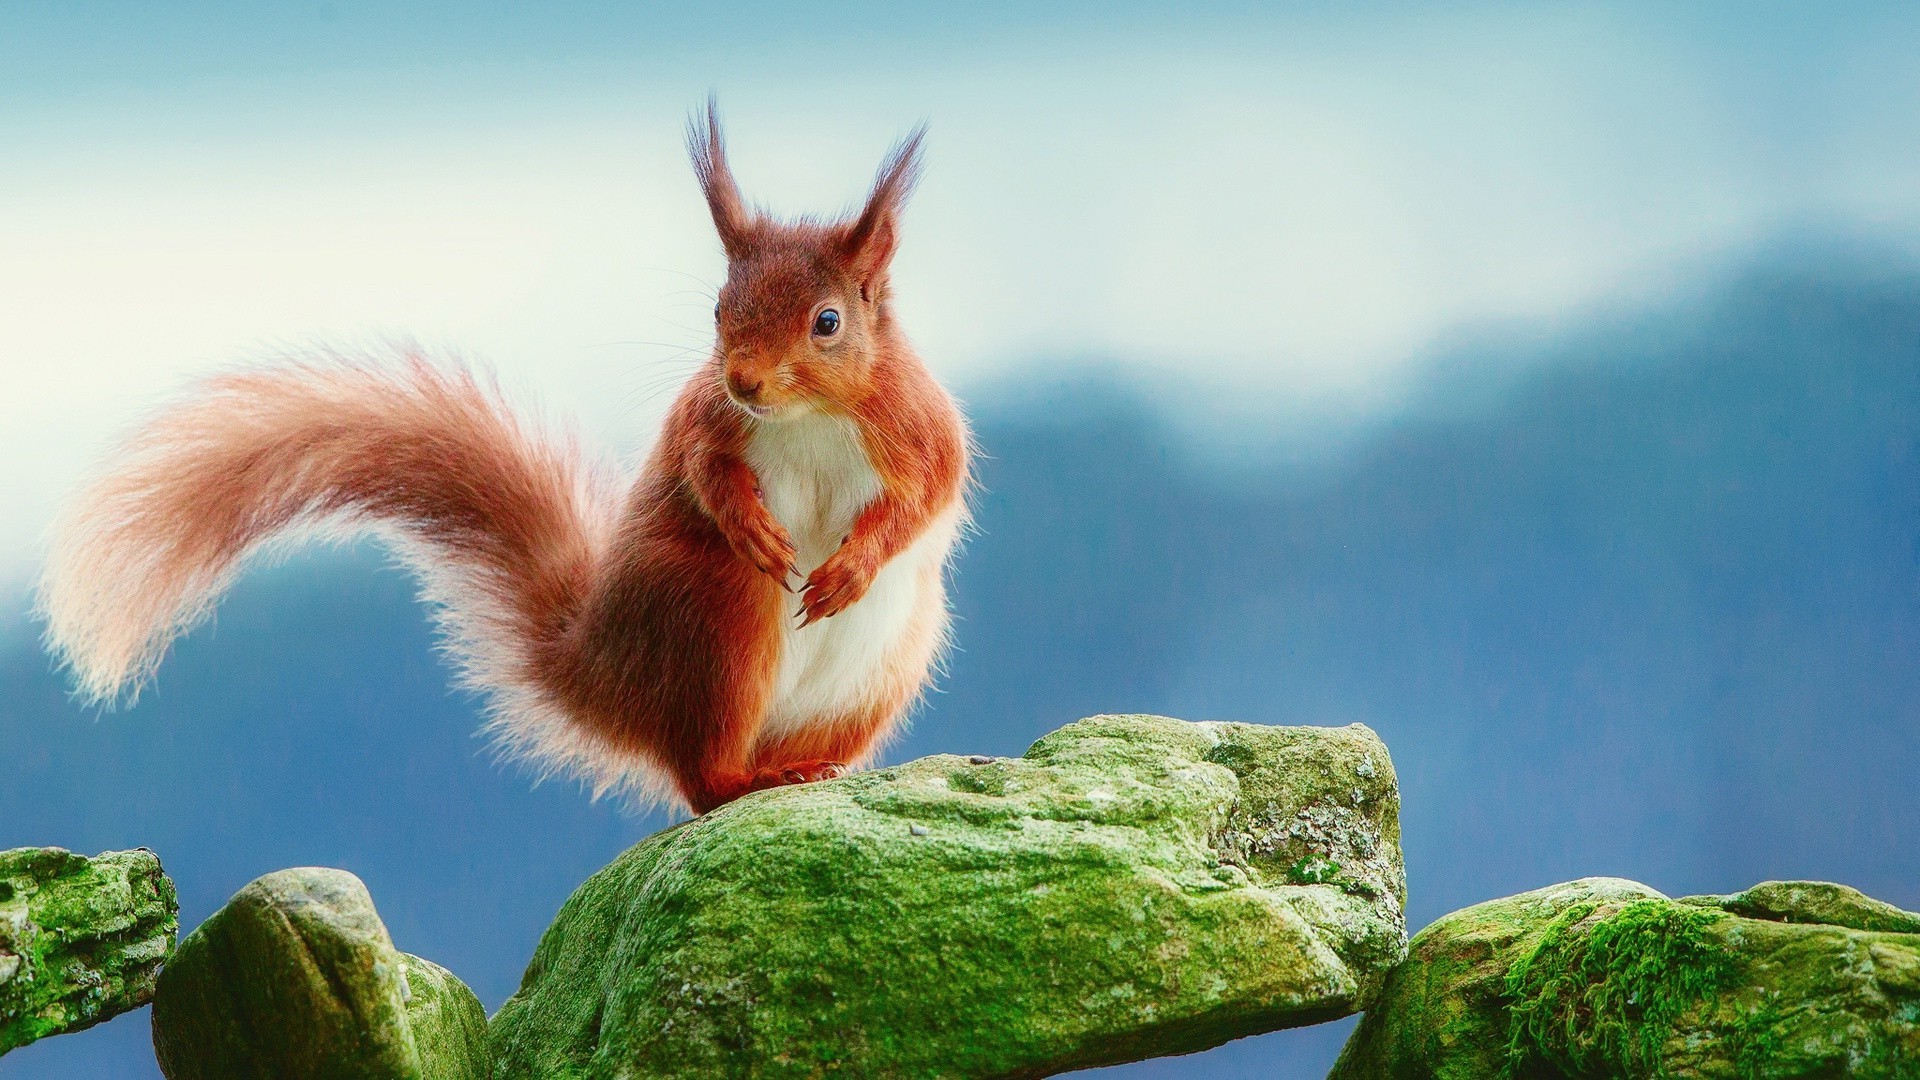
1118 892
1759 1037
1882 1060
1312 871
1603 1001
449 1023
1820 903
1607 978
296 978
81 940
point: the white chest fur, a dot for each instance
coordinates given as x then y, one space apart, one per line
815 477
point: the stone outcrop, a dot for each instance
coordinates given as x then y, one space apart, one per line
449 1024
81 940
1133 886
295 978
1608 978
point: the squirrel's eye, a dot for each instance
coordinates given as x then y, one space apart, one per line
826 324
716 313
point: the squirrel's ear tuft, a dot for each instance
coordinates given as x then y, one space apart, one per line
709 153
868 243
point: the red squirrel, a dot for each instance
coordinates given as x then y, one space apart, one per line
760 607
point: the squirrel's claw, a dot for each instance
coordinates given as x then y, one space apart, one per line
799 772
837 585
813 610
817 605
765 545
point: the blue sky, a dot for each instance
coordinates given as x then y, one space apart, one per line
1277 212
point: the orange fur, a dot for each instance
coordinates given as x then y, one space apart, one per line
637 641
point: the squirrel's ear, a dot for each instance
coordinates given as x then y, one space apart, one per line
867 244
709 153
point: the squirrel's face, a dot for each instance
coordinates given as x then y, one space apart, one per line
796 329
801 320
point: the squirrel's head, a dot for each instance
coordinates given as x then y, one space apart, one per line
803 315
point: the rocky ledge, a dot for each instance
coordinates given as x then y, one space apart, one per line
81 940
297 979
1132 886
1608 978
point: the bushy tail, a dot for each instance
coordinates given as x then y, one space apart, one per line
504 525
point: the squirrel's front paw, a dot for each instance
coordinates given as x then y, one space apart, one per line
761 540
835 586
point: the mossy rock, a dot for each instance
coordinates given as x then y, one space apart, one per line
1133 886
1603 978
297 979
81 940
1818 902
449 1023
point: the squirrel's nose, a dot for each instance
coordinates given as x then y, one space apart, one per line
744 387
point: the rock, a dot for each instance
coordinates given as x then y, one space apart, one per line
1443 1013
1608 978
1813 902
1133 886
81 940
449 1024
296 977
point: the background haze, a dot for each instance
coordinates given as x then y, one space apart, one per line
1541 388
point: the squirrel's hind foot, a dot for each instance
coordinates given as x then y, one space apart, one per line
795 772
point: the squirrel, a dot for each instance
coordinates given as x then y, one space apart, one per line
760 607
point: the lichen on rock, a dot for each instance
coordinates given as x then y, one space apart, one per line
296 977
1128 888
81 940
1608 978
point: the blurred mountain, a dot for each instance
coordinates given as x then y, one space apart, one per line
1640 599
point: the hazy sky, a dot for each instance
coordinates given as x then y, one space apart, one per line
1275 209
